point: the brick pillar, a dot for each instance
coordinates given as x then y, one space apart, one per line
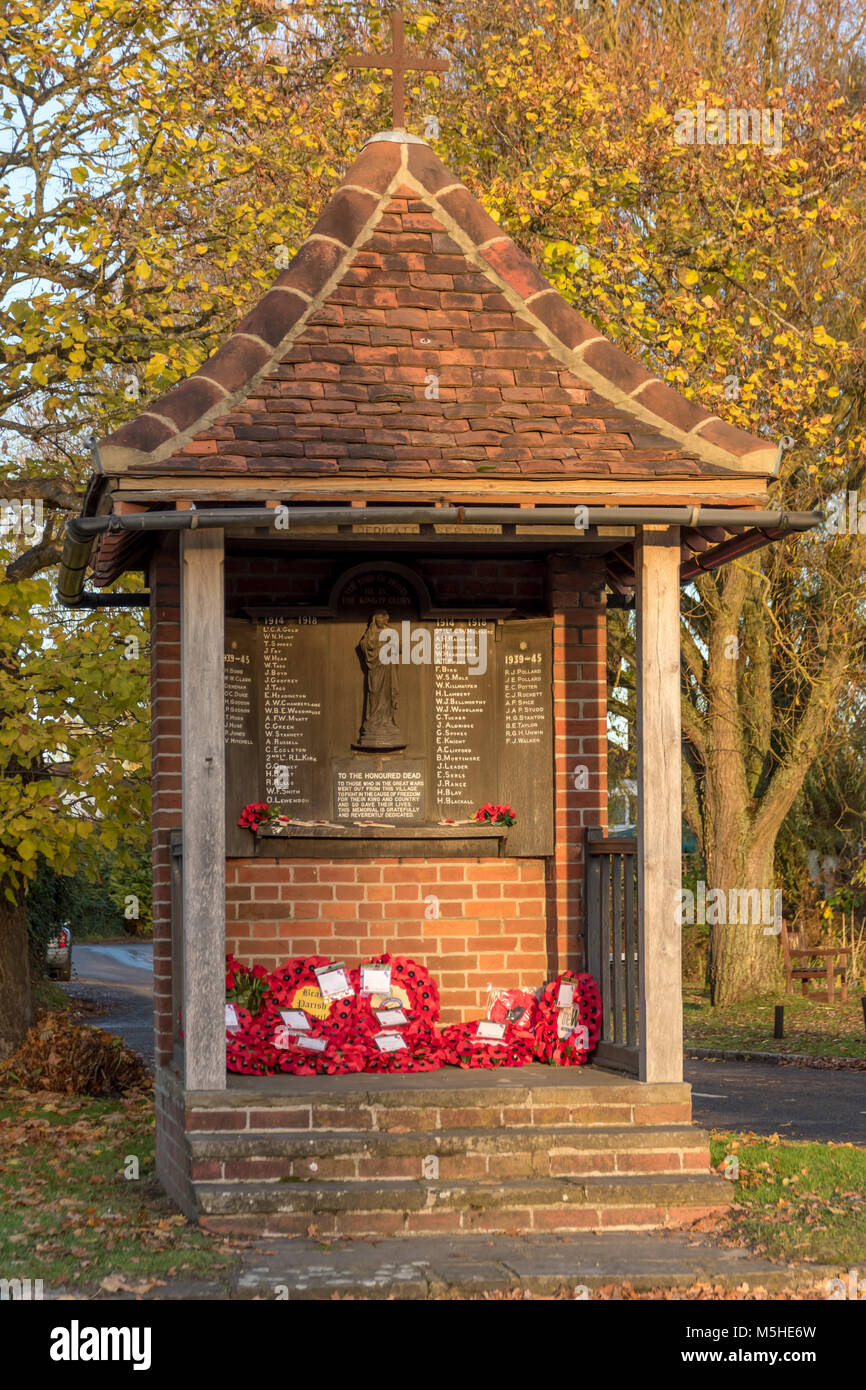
164 581
577 604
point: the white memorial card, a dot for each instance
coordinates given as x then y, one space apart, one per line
391 1018
388 1042
375 979
334 981
488 1031
312 1044
295 1018
231 1016
565 997
567 1021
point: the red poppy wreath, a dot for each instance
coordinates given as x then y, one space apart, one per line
396 1013
462 1047
569 1020
295 986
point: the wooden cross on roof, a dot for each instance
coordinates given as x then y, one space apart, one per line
398 62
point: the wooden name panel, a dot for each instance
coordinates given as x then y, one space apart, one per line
473 722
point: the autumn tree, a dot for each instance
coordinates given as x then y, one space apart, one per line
163 161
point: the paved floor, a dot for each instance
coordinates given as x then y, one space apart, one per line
449 1079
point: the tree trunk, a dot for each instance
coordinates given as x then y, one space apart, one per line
16 1005
743 958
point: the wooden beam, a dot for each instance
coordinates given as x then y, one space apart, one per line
707 492
657 603
203 787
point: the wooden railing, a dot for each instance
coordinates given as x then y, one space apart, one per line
612 945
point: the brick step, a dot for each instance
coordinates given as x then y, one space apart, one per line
460 1154
543 1099
404 1207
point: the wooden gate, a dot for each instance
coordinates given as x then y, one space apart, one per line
612 945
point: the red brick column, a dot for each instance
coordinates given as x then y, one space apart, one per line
575 590
165 703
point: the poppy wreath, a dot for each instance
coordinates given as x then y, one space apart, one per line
422 1051
297 973
460 1050
419 1054
549 1047
246 1049
254 1051
337 1059
416 982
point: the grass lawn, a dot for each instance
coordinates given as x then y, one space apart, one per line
817 1030
69 1216
796 1201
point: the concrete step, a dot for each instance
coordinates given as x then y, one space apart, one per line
549 1096
406 1207
568 1151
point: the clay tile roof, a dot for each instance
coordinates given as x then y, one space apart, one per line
411 336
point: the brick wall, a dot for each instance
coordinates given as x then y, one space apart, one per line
580 745
172 1154
501 921
521 584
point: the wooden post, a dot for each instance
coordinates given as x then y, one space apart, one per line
779 1021
203 782
659 751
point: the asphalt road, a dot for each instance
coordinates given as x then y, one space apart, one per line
795 1102
120 980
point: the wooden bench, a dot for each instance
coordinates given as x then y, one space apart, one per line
835 959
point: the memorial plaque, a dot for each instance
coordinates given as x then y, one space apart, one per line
242 739
391 790
377 718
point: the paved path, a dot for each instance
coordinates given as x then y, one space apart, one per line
432 1266
811 1103
442 1267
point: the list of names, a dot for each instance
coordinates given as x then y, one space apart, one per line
460 704
289 715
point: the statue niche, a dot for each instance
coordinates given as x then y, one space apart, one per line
379 730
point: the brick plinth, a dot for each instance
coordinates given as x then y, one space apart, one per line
528 1151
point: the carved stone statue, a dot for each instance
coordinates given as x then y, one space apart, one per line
379 728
